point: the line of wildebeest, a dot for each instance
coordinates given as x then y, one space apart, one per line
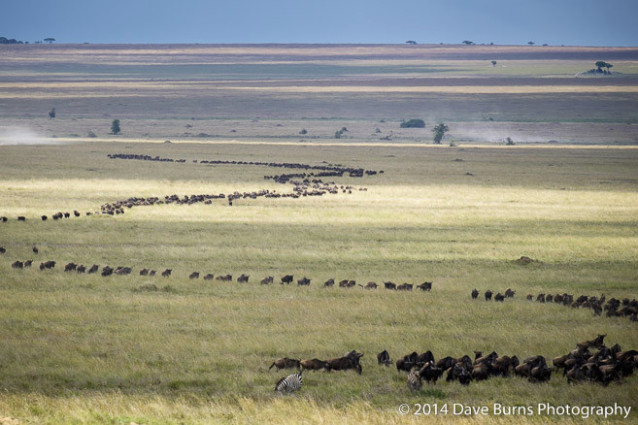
304 184
590 361
613 307
243 278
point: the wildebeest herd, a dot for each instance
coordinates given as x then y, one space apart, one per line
308 183
604 365
612 307
242 279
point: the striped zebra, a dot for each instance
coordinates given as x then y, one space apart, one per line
414 381
290 383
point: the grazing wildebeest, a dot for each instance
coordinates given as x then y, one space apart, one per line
70 267
475 294
242 279
81 268
509 293
286 363
405 287
94 268
144 272
329 283
383 358
167 272
107 271
390 285
370 285
225 278
267 280
194 275
17 265
209 276
499 297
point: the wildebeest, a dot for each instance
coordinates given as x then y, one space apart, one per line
3 250
329 283
314 364
430 373
383 358
499 297
475 294
144 272
286 363
596 342
225 278
107 271
47 265
22 218
390 285
44 218
349 361
17 265
243 278
267 280
425 286
70 267
209 276
405 287
287 279
407 362
194 275
509 293
167 272
304 281
488 295
94 268
370 285
347 283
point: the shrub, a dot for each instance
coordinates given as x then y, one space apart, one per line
413 123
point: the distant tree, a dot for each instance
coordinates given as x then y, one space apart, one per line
49 40
531 43
413 123
439 131
303 131
602 64
493 63
52 113
115 127
412 42
468 42
509 141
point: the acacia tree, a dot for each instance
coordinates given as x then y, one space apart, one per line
439 131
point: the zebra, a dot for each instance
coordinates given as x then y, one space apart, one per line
290 383
414 381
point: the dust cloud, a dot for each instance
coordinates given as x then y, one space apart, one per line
22 136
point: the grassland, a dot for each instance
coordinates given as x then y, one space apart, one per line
80 349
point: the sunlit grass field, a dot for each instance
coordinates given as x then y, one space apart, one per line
82 349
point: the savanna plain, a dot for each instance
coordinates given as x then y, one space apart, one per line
80 348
